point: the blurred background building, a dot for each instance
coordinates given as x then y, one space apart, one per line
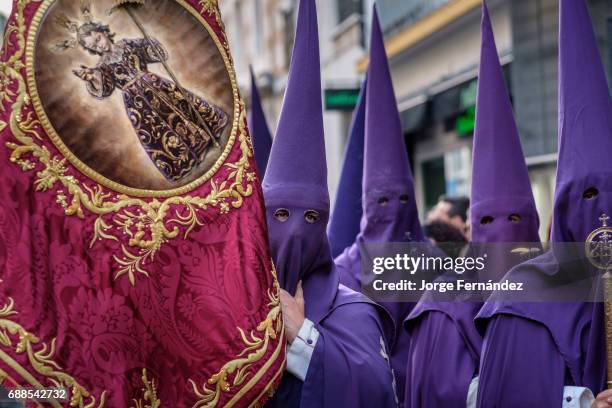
4 12
434 47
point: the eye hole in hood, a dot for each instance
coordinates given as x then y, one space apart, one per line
590 193
383 201
514 218
282 214
311 216
487 219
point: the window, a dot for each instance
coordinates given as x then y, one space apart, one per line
348 7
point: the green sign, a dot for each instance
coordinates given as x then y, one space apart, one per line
341 99
464 125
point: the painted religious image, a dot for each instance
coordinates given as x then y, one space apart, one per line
140 95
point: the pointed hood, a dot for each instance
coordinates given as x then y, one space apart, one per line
502 204
295 184
297 158
584 172
390 212
258 128
346 216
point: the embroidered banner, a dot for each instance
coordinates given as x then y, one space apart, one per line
134 263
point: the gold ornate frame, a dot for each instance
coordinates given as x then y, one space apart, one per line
84 168
141 225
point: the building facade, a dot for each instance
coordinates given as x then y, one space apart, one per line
434 52
261 35
434 49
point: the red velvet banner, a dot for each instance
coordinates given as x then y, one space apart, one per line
133 254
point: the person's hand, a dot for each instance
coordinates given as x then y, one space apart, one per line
293 312
603 400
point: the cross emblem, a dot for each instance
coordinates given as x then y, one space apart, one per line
598 245
604 219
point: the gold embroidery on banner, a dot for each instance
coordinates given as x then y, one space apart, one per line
234 373
211 7
40 357
145 225
270 389
149 393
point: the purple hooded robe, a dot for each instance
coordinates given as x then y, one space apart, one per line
532 350
444 343
348 366
389 207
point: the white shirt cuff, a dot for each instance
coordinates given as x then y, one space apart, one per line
300 351
472 393
573 397
577 397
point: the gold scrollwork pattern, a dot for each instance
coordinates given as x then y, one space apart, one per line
235 372
232 376
40 356
146 225
211 7
149 393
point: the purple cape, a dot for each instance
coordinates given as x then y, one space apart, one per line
445 346
521 337
540 347
347 368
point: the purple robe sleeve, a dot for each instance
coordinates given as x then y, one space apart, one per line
440 367
521 366
348 367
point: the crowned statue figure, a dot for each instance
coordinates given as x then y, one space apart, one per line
175 126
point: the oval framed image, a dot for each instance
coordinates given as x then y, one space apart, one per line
142 100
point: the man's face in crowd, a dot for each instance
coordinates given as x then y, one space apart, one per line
441 212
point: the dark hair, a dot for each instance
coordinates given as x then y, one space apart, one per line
441 231
447 236
88 28
459 206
